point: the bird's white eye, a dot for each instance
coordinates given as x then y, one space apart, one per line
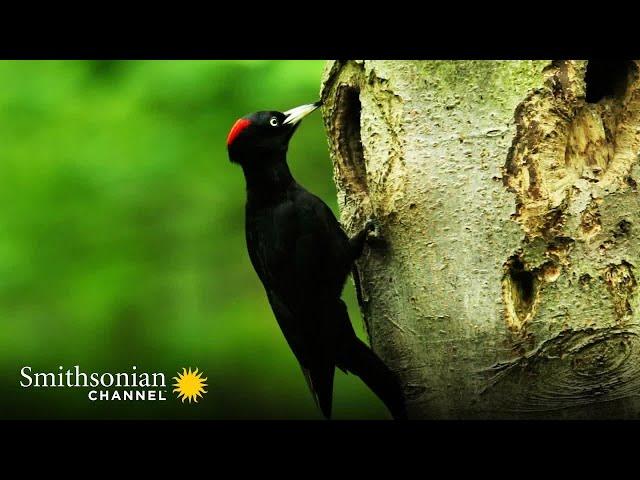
273 122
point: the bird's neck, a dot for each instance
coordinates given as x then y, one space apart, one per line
268 179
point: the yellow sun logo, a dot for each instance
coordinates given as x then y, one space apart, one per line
190 385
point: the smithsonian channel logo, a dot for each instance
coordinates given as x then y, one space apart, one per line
121 386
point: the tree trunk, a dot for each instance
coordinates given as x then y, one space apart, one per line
507 193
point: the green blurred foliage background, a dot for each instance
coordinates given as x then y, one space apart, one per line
122 236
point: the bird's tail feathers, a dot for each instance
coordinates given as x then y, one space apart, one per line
360 360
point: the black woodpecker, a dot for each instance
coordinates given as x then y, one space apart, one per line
303 258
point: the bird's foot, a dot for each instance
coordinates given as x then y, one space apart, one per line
374 233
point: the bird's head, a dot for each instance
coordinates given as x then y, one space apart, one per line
265 134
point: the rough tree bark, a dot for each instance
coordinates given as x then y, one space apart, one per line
507 191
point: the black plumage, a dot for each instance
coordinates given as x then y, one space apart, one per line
303 257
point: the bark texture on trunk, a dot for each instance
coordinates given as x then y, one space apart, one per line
507 193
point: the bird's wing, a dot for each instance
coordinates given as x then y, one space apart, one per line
302 267
319 379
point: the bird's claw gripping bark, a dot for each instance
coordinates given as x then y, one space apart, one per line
374 236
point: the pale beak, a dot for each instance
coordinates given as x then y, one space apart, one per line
295 115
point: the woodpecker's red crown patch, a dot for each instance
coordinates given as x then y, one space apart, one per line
237 128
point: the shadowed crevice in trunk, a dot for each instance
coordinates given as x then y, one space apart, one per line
347 121
606 78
